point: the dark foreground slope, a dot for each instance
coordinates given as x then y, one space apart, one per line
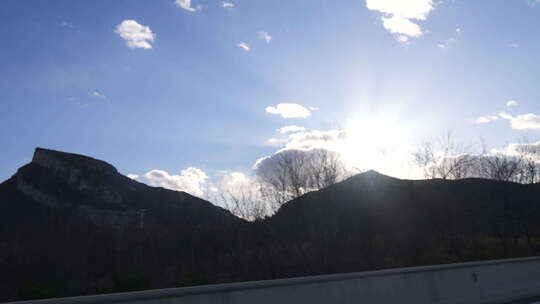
72 225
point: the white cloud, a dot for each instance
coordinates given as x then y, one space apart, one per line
135 34
400 25
519 122
267 165
227 4
133 176
314 108
402 39
332 140
514 45
265 36
511 103
244 46
387 150
487 118
98 95
190 180
328 139
289 129
240 193
524 121
397 15
516 149
229 181
186 4
289 110
410 9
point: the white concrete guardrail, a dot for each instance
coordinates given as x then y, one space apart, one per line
496 281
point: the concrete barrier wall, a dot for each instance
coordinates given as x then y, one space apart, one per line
498 281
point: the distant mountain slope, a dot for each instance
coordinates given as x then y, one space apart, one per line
72 225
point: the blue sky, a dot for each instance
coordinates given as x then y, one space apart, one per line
194 98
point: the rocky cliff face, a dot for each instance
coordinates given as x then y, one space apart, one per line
71 165
78 172
93 188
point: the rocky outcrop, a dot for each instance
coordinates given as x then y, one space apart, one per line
70 165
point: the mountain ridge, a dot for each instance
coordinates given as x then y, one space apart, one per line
72 225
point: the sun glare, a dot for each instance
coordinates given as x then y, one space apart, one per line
379 142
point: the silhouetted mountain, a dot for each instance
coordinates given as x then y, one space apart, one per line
72 225
373 221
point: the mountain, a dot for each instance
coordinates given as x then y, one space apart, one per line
373 221
72 225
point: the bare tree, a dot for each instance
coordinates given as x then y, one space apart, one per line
501 167
444 158
292 173
530 161
324 168
284 176
245 202
280 178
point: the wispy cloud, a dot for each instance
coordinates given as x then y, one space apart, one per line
512 103
66 24
447 43
402 39
244 46
532 2
487 118
277 142
98 95
136 35
289 129
227 4
186 4
289 110
265 36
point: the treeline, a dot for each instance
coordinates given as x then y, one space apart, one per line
290 174
447 159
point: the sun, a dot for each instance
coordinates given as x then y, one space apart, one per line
377 142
